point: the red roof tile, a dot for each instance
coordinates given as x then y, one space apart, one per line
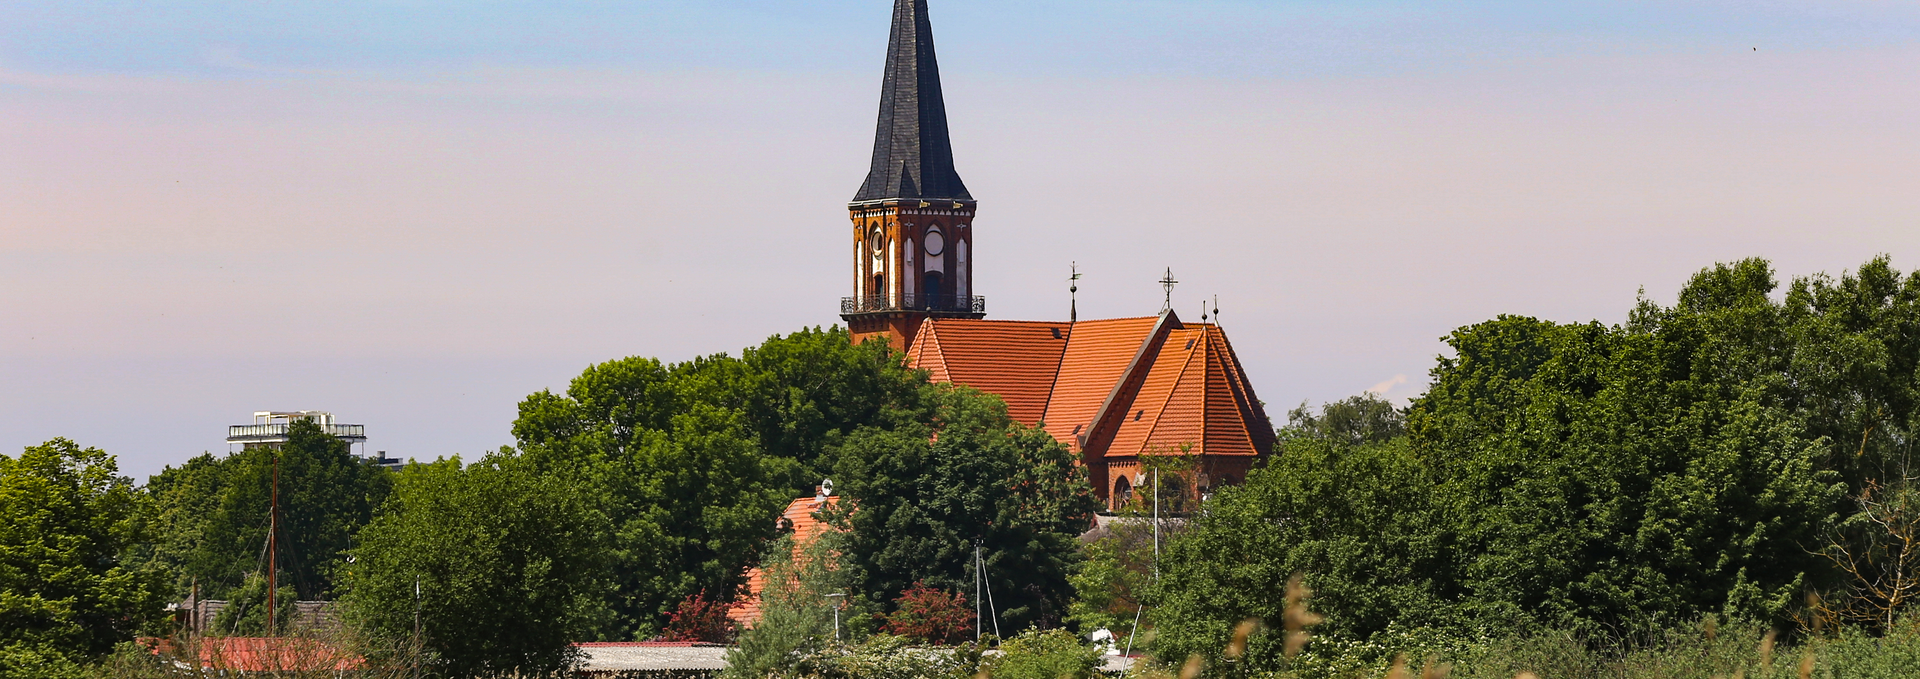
1015 360
801 515
1118 387
1097 357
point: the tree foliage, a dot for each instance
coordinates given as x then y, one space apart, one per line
961 471
511 566
67 519
1602 479
214 512
696 459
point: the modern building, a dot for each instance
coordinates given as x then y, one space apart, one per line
1112 390
270 427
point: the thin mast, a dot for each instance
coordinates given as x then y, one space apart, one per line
273 546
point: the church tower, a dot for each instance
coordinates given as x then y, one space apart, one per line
913 218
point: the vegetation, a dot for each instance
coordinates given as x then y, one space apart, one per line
695 460
1572 500
213 514
497 567
66 594
1607 482
957 475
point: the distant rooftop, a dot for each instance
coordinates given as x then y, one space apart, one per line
270 427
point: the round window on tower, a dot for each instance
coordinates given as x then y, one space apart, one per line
935 243
877 244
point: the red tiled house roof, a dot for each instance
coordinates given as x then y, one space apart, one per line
1114 389
800 515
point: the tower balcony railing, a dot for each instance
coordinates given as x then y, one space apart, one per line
246 433
974 304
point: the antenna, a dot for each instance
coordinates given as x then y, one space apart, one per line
1073 294
273 546
1168 283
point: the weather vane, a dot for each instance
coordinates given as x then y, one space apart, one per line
1073 294
1168 283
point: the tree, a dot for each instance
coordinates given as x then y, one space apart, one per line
1606 480
698 458
960 471
511 566
66 521
214 513
1365 418
1363 521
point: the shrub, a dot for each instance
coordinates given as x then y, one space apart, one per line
932 615
1049 654
700 619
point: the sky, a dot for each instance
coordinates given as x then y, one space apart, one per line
414 214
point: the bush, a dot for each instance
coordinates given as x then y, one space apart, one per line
931 615
700 619
884 656
1049 654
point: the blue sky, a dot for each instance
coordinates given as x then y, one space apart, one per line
415 214
1208 39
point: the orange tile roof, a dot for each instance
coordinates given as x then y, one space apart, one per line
264 654
1015 360
1097 357
1120 387
801 515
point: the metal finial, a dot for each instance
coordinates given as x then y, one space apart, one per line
1073 294
1168 283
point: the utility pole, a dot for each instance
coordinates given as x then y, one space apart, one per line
1156 523
976 590
273 546
417 651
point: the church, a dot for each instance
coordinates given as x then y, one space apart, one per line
1111 390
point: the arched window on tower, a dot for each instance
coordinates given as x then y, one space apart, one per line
936 298
960 269
1122 493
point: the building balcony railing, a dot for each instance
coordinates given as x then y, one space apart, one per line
246 433
965 304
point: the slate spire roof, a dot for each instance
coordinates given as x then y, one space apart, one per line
912 157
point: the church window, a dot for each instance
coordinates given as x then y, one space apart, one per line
936 243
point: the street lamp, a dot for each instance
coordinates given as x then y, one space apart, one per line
839 599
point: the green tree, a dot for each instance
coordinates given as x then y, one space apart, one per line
1607 480
511 566
184 498
1361 520
961 471
246 612
214 513
66 521
1358 419
697 458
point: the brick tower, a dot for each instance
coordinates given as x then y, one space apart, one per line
913 218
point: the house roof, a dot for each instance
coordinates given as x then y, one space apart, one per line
612 658
801 515
264 654
1016 360
912 155
1113 387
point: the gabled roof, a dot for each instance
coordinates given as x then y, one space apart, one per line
1015 360
1091 371
912 155
1193 396
1118 387
800 516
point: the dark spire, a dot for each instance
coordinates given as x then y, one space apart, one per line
912 157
